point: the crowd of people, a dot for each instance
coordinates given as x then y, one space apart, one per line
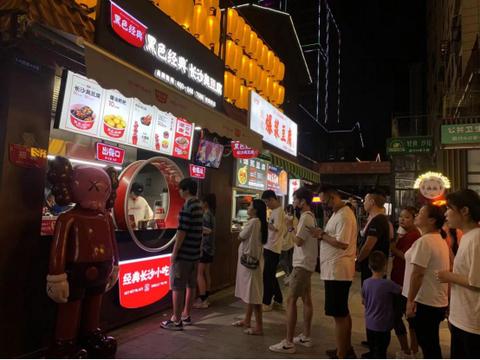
435 270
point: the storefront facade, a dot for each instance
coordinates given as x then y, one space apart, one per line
102 100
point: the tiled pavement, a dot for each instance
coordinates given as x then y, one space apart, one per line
212 336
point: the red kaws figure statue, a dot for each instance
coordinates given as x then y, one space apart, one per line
83 259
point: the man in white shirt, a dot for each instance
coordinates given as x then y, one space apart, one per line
137 205
338 244
304 262
272 250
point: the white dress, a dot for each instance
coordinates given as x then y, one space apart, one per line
249 283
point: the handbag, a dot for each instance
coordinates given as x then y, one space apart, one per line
249 261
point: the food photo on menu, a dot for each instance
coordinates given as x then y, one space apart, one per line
209 154
83 104
141 128
183 138
165 132
116 111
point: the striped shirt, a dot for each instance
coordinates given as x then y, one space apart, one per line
191 221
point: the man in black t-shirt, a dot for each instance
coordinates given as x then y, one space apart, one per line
376 234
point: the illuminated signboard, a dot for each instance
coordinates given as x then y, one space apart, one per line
142 282
251 174
293 185
277 180
149 39
275 127
89 109
432 185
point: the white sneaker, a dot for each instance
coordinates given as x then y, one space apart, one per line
303 340
267 308
201 304
283 347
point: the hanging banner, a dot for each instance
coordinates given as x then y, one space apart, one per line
197 172
109 153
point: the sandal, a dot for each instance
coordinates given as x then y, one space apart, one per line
250 331
239 323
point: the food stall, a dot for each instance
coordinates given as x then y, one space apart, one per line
250 180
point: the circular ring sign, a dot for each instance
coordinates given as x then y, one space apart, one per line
432 185
172 174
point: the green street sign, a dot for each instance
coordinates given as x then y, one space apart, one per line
461 134
409 145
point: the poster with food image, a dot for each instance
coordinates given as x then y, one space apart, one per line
141 125
183 139
164 133
81 105
115 115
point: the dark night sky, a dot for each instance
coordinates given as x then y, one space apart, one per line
381 39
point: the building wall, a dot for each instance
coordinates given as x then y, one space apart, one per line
453 27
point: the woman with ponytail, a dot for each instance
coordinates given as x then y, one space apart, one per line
249 282
427 299
464 213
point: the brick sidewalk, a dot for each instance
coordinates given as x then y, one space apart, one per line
212 336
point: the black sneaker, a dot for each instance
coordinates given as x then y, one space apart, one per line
171 325
187 321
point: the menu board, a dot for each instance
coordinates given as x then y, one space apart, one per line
251 174
277 180
90 110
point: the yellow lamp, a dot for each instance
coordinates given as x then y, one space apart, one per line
210 31
252 44
274 95
228 85
264 57
184 13
252 67
281 71
232 18
236 89
239 29
199 20
243 71
281 95
258 50
270 59
230 54
276 62
263 82
245 42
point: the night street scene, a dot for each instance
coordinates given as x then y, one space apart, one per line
233 179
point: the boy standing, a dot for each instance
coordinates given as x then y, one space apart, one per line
304 262
378 297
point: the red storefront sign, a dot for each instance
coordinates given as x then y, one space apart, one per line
183 139
111 154
144 281
28 157
197 172
241 151
127 27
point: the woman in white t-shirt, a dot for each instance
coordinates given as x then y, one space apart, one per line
427 299
464 213
249 281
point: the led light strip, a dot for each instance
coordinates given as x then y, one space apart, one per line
84 162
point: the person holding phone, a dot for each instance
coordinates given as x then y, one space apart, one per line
338 245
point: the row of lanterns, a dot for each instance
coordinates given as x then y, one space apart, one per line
201 18
236 91
249 62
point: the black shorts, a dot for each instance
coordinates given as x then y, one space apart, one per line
206 259
336 298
